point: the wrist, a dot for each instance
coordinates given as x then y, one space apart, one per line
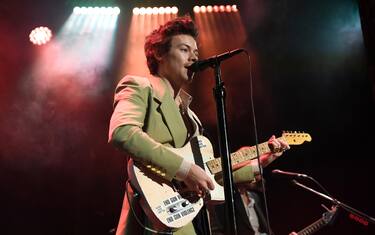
184 169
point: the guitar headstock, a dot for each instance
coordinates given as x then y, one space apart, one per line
296 138
329 215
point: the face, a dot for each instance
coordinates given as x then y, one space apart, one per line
182 53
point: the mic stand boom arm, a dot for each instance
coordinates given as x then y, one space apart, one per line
219 93
336 202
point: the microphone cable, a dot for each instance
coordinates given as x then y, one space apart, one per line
257 143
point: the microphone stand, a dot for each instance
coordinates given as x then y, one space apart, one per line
336 202
226 164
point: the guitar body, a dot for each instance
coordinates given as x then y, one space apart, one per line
161 200
168 204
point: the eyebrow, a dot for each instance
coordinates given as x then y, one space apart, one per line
195 50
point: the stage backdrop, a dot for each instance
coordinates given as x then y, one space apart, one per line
58 174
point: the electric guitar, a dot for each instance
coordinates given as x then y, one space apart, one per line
169 204
326 219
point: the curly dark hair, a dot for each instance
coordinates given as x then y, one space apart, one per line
159 41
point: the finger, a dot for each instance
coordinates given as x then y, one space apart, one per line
284 145
198 190
275 147
210 184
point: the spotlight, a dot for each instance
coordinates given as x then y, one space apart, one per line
196 9
168 10
136 11
174 10
155 10
142 11
40 35
161 10
203 9
148 11
116 10
77 10
96 10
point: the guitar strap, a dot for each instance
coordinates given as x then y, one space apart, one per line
201 221
195 147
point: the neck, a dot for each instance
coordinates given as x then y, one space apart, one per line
172 87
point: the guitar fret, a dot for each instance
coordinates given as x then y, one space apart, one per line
243 154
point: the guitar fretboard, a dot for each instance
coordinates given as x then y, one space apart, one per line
243 154
312 228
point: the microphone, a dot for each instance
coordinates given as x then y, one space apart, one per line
289 174
203 64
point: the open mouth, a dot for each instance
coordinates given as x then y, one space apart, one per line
190 74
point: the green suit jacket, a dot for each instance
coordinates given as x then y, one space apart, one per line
145 121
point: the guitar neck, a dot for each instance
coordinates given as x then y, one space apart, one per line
312 228
243 154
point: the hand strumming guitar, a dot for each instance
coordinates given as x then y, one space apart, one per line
198 181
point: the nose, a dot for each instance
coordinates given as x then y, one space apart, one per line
193 57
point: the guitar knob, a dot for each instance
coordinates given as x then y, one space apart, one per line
185 203
172 209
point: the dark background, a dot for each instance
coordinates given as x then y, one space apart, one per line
312 71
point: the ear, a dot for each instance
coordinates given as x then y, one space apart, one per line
158 56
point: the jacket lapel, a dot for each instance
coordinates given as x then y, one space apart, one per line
242 215
169 111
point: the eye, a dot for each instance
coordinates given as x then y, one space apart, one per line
184 49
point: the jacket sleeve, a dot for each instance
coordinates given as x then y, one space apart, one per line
242 175
132 97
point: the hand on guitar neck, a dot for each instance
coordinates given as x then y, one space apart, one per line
277 147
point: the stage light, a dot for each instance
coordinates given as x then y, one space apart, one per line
142 11
116 10
168 10
203 9
96 10
148 11
136 11
161 10
196 9
174 10
215 8
155 10
76 10
40 35
234 8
